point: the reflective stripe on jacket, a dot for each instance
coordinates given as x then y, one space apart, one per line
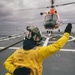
33 59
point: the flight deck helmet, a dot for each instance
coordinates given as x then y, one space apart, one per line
33 37
33 34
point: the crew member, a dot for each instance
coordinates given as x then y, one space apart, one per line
28 60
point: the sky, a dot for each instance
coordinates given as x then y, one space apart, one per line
13 11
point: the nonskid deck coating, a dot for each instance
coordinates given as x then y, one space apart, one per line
61 63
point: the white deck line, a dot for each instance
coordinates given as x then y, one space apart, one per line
46 41
68 50
10 47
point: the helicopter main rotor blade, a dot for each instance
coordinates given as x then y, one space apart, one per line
61 5
47 6
65 4
33 8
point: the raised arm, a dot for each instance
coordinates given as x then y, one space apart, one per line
47 51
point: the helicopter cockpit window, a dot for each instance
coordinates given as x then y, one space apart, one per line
47 17
51 17
55 17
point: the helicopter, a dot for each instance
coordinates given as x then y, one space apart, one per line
51 19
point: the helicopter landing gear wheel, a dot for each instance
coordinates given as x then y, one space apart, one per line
58 30
49 32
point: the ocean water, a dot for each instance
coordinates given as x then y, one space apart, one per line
7 30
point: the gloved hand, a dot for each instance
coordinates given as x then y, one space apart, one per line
68 28
22 71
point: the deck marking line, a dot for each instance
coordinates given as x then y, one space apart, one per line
46 42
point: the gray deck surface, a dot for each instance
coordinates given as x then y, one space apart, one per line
61 63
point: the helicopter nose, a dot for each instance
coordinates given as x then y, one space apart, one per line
49 25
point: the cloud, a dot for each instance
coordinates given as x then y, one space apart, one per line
4 10
12 11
